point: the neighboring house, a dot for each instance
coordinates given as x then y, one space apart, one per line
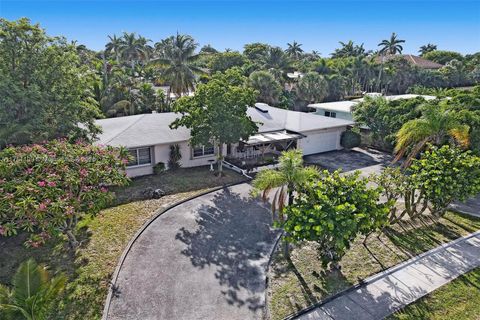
148 137
414 60
343 109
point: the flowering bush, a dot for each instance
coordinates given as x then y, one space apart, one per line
45 189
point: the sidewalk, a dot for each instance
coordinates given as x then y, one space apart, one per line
384 293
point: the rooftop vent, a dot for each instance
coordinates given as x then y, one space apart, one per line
261 107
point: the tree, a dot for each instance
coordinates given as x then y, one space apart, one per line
255 51
45 189
44 90
113 47
391 46
332 211
427 48
442 56
177 56
276 61
208 49
32 294
217 115
133 48
438 178
226 60
294 50
291 174
312 87
349 49
269 89
436 126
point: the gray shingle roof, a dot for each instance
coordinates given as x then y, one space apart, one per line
151 129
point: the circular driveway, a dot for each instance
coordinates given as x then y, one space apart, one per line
203 259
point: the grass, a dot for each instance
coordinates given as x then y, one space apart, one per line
456 300
104 238
181 180
303 281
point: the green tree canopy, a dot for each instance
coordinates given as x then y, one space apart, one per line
226 60
442 56
312 87
44 90
332 211
217 114
269 89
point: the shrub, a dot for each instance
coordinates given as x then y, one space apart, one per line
350 139
159 168
175 157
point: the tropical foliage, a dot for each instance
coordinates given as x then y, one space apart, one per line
333 210
46 189
32 294
217 114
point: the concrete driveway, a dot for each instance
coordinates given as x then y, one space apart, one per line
203 259
366 160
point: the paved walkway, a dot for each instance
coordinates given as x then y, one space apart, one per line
204 259
471 206
388 291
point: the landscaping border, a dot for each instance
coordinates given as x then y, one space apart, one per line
381 274
121 260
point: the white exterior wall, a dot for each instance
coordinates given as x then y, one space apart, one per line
321 141
161 153
340 114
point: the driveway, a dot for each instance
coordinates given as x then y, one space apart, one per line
366 160
203 259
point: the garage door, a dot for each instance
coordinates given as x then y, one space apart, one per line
320 142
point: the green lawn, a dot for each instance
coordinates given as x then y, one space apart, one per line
104 238
296 285
459 300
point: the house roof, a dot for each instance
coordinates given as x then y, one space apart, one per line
415 60
346 106
153 128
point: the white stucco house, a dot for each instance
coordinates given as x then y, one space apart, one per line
148 137
343 109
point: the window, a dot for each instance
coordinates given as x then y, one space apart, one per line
330 114
139 156
203 151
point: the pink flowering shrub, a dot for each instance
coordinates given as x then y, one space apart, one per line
45 189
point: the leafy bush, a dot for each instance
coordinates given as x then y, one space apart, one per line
333 211
350 139
45 189
159 168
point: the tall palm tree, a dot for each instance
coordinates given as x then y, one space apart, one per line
177 55
113 46
392 45
277 62
133 49
294 50
32 293
437 125
349 49
427 48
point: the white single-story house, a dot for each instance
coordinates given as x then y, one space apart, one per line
149 137
343 109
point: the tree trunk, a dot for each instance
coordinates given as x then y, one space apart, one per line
72 240
220 159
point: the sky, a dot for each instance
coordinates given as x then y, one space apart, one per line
317 25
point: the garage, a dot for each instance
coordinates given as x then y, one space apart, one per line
317 142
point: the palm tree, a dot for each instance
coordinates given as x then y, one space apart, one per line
437 125
177 55
276 61
427 48
391 46
32 293
349 49
113 46
133 49
291 174
312 87
294 50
